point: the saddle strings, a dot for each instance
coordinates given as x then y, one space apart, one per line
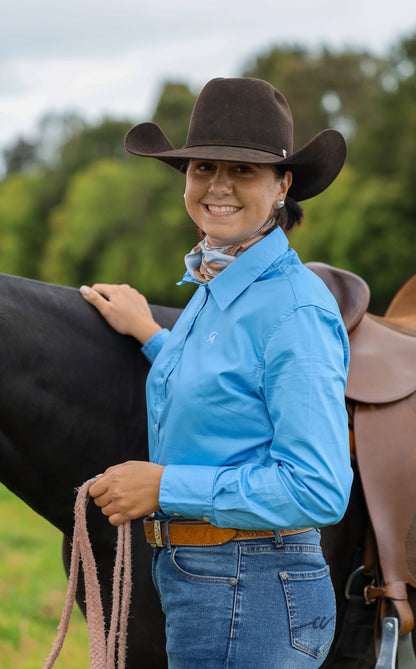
102 650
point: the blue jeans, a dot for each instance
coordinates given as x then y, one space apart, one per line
250 604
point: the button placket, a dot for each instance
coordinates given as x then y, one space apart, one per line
180 347
166 371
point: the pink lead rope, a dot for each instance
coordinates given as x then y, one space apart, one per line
102 650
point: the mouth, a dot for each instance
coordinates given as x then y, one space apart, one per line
221 210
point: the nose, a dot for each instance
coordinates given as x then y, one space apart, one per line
220 182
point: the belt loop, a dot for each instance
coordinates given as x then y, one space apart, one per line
167 538
278 538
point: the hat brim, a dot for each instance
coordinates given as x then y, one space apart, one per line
314 166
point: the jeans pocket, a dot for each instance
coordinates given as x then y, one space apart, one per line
205 564
310 603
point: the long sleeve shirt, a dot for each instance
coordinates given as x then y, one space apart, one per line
245 398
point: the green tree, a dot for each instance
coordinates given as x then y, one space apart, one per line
76 207
359 225
92 143
122 223
323 88
173 111
23 230
21 156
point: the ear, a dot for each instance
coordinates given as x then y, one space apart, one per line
286 183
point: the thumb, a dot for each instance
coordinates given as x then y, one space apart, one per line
85 291
94 297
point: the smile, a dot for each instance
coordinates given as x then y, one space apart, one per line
221 210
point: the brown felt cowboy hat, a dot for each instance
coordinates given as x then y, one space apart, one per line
246 120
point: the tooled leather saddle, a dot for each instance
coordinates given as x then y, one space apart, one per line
382 402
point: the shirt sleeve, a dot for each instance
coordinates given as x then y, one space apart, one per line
153 345
308 480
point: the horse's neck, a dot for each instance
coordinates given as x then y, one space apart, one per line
71 399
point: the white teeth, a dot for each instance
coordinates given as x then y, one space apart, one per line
223 211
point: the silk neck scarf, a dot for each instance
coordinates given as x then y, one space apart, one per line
206 261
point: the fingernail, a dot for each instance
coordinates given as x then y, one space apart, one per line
84 290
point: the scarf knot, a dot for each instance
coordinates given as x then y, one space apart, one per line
206 261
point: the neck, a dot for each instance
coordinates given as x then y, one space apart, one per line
243 241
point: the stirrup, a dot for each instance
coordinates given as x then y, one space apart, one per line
389 640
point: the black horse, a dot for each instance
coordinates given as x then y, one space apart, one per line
72 404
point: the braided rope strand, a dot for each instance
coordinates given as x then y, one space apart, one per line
102 651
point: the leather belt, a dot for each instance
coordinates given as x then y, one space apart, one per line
200 533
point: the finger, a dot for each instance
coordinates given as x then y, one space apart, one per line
106 289
110 509
89 292
98 487
103 500
118 519
93 297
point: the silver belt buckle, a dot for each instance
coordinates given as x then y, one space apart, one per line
158 533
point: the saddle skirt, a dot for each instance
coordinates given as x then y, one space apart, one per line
383 362
383 349
381 389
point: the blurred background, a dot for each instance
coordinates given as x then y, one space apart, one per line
75 208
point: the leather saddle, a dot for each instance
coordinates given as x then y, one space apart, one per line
383 349
381 389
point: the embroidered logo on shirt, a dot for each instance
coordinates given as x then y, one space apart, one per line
211 337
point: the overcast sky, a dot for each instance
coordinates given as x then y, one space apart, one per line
110 57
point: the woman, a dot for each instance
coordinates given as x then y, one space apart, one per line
248 431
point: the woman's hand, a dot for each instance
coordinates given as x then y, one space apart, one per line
124 308
128 490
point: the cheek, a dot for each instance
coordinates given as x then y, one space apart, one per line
191 206
187 197
192 191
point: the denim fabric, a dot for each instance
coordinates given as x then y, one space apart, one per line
247 604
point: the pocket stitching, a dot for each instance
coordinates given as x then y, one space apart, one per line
285 577
224 580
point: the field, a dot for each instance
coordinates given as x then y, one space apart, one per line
32 592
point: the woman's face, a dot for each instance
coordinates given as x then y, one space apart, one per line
230 201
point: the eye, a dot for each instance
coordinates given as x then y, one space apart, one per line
244 168
203 165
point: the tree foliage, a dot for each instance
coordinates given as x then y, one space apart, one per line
76 208
105 230
23 229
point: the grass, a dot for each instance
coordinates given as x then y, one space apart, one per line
32 592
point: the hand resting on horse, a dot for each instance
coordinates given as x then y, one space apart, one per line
124 308
130 489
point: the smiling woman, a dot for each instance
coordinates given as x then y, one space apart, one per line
227 200
248 434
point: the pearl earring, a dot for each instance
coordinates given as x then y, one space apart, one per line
280 204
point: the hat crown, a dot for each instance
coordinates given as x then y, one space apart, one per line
246 120
241 112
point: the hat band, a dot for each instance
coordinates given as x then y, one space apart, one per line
282 153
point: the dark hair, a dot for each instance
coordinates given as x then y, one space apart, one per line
292 213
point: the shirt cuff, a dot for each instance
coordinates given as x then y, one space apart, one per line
153 345
186 490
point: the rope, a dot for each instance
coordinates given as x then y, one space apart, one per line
102 650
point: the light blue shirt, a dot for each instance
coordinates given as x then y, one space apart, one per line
245 398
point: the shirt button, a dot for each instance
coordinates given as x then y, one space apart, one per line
175 514
206 519
155 426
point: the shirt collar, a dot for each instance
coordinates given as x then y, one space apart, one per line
244 270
